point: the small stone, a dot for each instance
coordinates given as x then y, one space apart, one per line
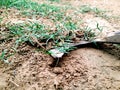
57 70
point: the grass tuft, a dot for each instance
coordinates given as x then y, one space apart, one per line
88 9
40 33
2 56
30 8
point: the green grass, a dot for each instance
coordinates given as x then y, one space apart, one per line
60 37
3 57
14 3
54 0
5 3
89 9
26 32
32 8
41 34
1 20
41 9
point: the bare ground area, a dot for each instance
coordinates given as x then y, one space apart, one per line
82 69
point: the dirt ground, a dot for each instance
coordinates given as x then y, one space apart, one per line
85 68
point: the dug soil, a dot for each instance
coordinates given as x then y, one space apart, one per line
87 68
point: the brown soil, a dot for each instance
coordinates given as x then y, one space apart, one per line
82 69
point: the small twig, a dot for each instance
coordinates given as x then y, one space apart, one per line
14 83
36 40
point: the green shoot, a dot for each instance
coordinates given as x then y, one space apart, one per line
2 56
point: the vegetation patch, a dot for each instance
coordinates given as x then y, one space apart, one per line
29 31
41 35
30 8
66 30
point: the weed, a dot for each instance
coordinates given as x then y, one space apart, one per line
44 9
41 34
14 3
1 20
5 3
35 33
99 27
25 32
2 56
88 35
85 9
54 0
65 48
30 8
57 17
88 8
70 25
